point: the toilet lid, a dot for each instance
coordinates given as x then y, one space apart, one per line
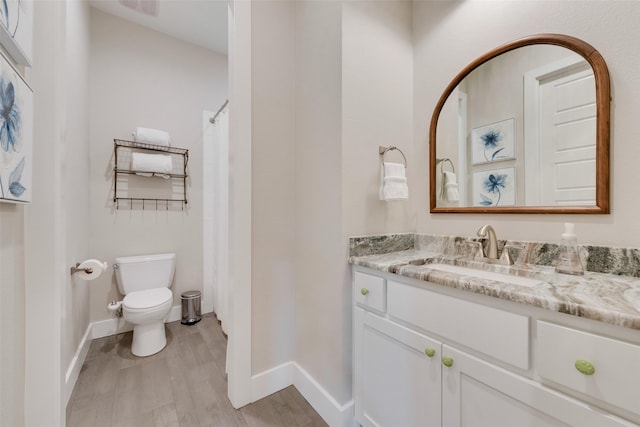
147 299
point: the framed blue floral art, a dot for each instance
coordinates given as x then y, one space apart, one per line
493 143
495 187
16 135
16 29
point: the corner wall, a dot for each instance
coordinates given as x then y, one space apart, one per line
56 223
75 186
449 35
341 102
273 184
321 332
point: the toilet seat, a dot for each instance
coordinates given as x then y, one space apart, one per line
147 299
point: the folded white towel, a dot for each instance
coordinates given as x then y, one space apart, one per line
152 136
449 191
151 164
393 169
393 183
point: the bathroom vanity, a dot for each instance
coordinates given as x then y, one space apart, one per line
492 346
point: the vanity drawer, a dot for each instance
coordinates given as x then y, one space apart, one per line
496 333
616 373
368 291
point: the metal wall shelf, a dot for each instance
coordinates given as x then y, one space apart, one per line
173 186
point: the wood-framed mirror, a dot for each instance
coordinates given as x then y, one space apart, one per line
524 128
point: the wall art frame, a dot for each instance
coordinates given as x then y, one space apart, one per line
16 135
495 187
494 142
16 29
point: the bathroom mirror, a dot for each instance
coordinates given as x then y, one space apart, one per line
524 128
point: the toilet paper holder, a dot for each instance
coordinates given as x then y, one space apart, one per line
75 269
89 269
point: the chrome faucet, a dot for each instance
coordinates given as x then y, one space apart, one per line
487 232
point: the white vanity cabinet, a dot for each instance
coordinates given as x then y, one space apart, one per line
399 371
476 393
428 358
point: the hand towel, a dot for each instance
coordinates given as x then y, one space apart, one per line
393 183
151 164
152 136
393 169
449 191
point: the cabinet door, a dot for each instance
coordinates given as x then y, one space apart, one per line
397 374
478 394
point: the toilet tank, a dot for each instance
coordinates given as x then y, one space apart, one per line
138 273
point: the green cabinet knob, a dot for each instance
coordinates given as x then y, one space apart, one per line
364 291
447 361
585 367
430 351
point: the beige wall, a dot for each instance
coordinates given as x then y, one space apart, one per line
273 184
139 77
377 110
12 313
75 185
320 333
44 312
449 35
316 186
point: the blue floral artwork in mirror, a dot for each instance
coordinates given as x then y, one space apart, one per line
494 187
493 143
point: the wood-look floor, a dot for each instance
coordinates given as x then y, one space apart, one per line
184 385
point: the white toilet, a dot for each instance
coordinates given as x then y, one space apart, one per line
145 282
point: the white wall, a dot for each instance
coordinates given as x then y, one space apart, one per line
449 35
139 77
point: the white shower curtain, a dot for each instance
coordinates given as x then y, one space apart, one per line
221 217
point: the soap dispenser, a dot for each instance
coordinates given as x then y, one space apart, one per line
568 253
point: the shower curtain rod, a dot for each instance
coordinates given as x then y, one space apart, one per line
215 116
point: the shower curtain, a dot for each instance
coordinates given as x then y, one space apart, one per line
221 217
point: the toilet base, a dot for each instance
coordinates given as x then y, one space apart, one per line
148 339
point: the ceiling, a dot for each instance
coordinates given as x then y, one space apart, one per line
201 22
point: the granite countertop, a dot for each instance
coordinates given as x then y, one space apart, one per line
603 297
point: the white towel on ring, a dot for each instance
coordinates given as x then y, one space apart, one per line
393 182
449 191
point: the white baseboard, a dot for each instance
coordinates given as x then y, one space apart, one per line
330 410
271 381
100 329
73 371
290 373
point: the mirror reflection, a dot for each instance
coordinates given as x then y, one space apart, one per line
520 131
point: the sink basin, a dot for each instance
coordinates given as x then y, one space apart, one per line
489 275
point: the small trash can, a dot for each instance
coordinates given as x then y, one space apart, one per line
190 307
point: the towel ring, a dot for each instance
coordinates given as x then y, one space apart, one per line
383 150
443 161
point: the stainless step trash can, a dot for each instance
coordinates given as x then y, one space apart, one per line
191 307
